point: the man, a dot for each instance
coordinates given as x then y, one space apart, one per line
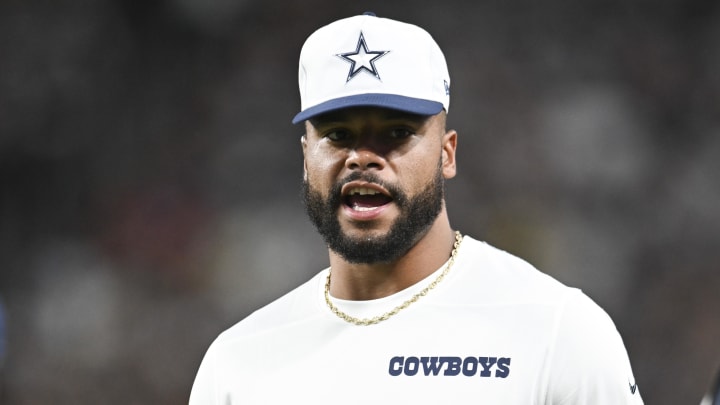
409 311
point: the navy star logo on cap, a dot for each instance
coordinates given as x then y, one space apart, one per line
362 59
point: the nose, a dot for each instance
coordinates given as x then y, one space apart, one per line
364 157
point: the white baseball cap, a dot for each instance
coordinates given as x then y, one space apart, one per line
371 61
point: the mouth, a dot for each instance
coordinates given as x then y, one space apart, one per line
365 197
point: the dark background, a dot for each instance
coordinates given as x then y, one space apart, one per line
149 175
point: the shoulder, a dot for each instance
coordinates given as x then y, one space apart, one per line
505 278
587 360
298 305
268 326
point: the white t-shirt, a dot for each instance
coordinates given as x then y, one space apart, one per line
494 331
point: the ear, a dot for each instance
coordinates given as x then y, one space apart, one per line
303 142
449 146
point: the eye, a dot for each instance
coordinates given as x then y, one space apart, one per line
401 133
337 135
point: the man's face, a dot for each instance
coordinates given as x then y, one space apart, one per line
374 179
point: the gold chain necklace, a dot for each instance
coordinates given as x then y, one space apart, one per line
387 315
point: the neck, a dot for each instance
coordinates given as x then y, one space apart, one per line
354 281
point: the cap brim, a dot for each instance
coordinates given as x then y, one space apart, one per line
392 101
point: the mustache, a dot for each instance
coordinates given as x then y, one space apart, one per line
395 191
355 176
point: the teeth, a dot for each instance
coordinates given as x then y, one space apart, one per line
363 191
364 209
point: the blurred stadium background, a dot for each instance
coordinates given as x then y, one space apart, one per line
149 175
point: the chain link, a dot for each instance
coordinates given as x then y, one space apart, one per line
377 319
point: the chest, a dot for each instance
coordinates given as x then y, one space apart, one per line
427 359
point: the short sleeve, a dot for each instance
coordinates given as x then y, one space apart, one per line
589 363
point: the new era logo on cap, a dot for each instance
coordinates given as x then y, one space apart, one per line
370 61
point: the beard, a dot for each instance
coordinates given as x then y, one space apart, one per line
417 215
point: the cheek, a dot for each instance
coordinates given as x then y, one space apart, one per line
319 169
422 171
